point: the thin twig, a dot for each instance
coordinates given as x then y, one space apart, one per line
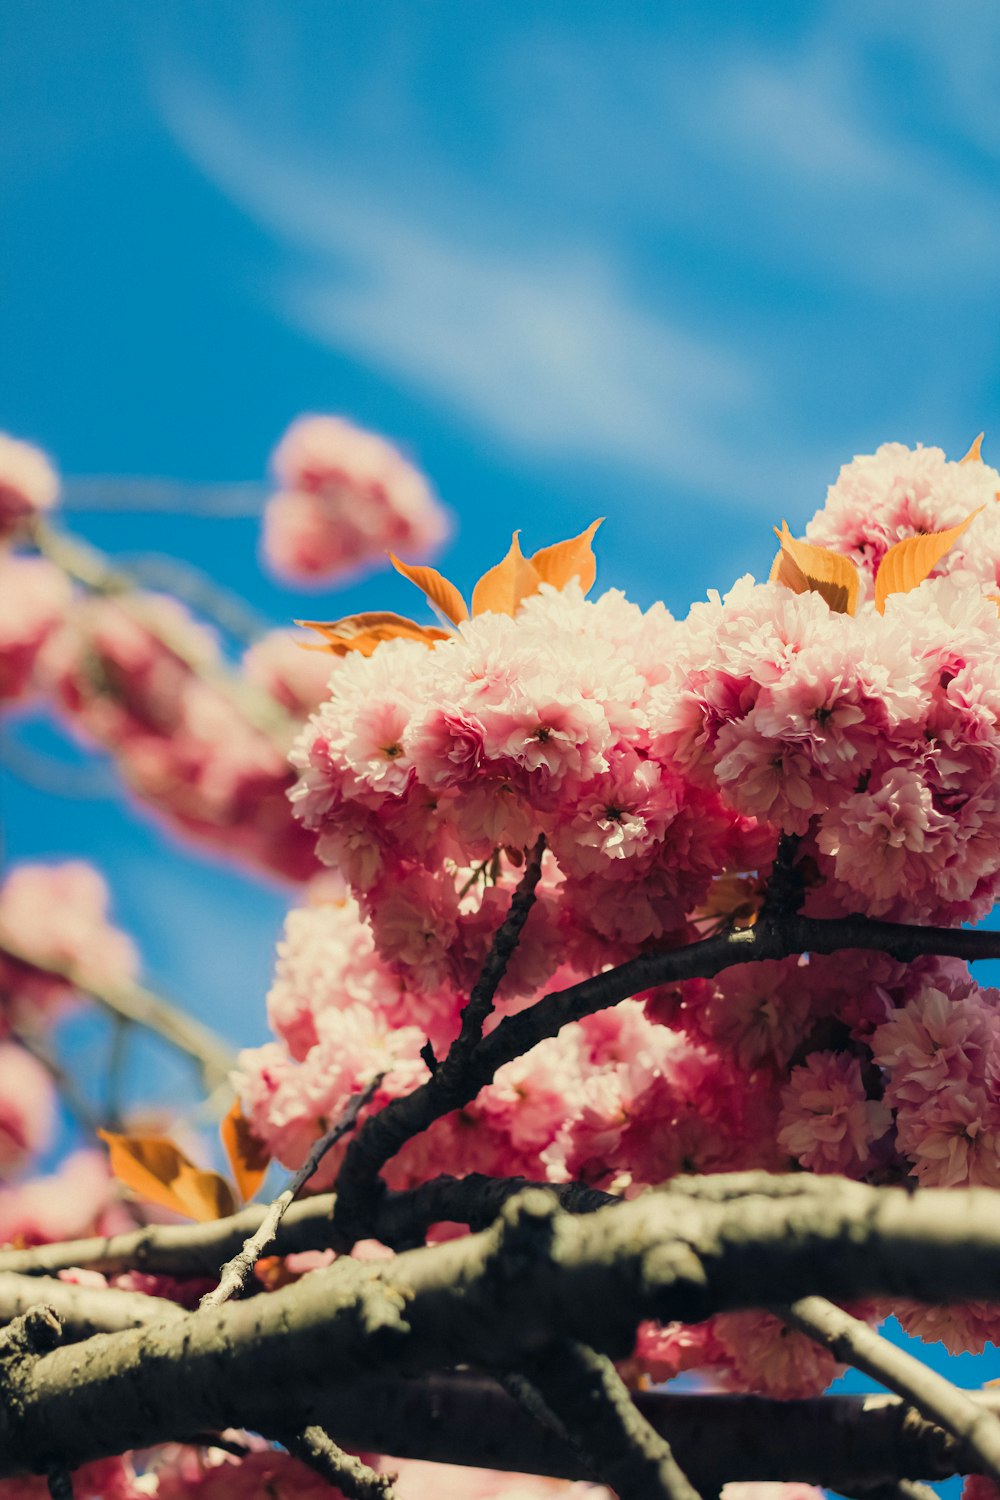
132 1002
852 1342
236 1272
65 1084
355 1479
359 1187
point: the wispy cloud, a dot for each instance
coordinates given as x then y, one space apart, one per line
675 256
547 348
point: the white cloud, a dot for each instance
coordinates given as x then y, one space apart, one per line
549 349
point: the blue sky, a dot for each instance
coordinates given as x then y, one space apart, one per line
668 264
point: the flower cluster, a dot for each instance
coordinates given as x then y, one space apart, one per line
424 763
346 498
876 737
34 598
144 679
29 485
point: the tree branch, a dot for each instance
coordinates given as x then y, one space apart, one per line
402 1221
852 1342
132 1002
538 1274
591 1401
354 1478
359 1187
236 1272
451 1087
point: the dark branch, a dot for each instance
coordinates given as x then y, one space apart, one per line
852 1342
353 1478
236 1272
589 1398
359 1187
539 1274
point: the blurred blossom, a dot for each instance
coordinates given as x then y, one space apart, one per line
28 483
346 497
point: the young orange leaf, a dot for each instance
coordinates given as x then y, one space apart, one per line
364 632
437 589
909 562
157 1170
502 588
804 568
974 455
248 1156
571 559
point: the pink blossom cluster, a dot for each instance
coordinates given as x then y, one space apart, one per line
34 598
57 915
423 763
29 485
346 498
874 737
145 680
180 1473
897 492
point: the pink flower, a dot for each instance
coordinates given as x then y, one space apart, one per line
936 1041
347 498
965 1328
886 840
57 914
28 483
288 672
953 1139
827 1122
77 1199
881 498
27 1109
34 597
764 1355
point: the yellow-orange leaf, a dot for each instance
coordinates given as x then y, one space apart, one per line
995 598
571 559
437 589
909 562
974 455
364 632
157 1170
804 568
248 1156
502 588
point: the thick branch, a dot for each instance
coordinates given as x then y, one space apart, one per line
498 1297
589 1398
852 1342
82 1310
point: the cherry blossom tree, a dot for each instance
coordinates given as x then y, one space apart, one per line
624 1027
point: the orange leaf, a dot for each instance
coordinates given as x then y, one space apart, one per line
804 568
572 559
364 632
156 1169
974 455
248 1156
436 587
502 588
909 562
